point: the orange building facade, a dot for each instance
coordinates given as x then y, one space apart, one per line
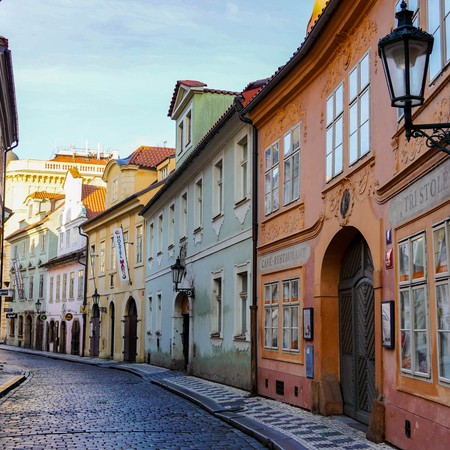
354 221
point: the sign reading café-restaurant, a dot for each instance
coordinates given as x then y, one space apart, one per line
423 194
287 257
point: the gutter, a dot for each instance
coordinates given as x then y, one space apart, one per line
85 264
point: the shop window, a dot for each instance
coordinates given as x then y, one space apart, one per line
441 254
414 327
271 300
291 316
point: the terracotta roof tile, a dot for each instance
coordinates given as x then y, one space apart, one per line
94 199
149 157
47 195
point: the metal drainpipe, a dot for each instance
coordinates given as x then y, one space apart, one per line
86 264
254 305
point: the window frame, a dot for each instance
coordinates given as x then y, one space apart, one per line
291 158
410 282
272 178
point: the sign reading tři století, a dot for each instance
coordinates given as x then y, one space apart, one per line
122 262
423 194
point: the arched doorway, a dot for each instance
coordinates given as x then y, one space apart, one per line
75 340
112 327
94 343
356 330
181 333
62 337
28 331
130 335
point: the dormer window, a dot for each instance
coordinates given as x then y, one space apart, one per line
185 131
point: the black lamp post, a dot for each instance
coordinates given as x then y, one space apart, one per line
405 53
96 300
38 306
177 277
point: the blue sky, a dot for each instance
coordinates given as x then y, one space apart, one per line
103 71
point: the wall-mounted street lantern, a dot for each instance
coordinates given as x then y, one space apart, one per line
96 300
38 306
405 53
177 277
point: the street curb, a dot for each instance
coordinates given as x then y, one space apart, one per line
11 384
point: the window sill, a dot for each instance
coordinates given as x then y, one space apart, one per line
215 336
241 338
198 229
241 202
217 217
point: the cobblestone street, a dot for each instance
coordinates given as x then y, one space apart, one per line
77 406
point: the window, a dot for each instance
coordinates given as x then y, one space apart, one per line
218 188
438 13
334 133
171 225
41 286
12 327
102 257
80 283
126 243
32 247
58 288
160 233
114 189
414 339
271 315
24 249
291 165
441 252
158 314
242 170
242 305
31 287
71 285
75 233
150 315
181 136
30 210
359 105
61 239
112 255
92 260
50 294
68 238
139 244
291 315
42 239
188 128
198 211
271 179
216 325
151 237
64 288
183 215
